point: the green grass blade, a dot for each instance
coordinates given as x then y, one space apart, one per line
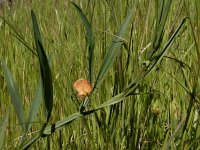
3 129
113 50
132 86
35 105
24 43
17 35
15 97
117 99
33 140
44 68
28 143
62 123
165 48
36 30
90 39
50 129
13 27
181 84
163 10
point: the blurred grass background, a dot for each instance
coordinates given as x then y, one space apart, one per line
160 114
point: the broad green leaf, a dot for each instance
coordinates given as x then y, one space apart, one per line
3 129
15 97
113 50
90 39
44 69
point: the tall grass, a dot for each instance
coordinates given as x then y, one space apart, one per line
142 59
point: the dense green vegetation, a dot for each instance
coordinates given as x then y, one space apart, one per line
141 57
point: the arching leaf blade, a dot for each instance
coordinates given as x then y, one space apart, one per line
90 39
44 69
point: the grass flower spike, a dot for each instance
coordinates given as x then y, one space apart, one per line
83 87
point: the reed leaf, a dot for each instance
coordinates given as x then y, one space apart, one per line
162 14
90 40
15 96
113 50
36 103
44 69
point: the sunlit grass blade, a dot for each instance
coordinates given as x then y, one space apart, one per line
113 50
3 126
90 39
44 68
15 97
